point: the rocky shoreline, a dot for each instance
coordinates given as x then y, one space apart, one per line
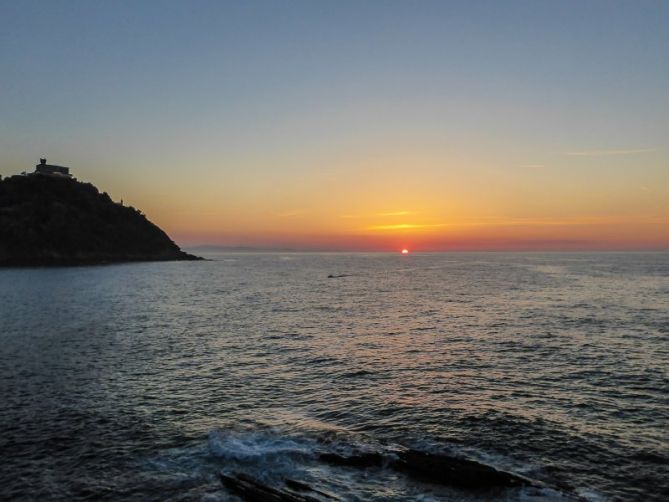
423 467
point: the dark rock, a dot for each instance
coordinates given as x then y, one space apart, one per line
298 485
361 460
47 220
455 471
303 487
253 490
435 468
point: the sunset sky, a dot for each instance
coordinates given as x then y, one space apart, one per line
353 125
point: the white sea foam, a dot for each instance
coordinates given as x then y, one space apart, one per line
250 445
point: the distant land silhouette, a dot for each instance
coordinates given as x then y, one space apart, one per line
50 218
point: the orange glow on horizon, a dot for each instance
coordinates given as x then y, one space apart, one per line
375 204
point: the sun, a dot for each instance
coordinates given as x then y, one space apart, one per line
405 251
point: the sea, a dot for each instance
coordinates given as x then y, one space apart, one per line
145 381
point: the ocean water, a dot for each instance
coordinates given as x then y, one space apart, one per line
144 381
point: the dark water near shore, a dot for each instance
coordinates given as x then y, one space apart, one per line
143 381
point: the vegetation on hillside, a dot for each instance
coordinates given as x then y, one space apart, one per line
46 220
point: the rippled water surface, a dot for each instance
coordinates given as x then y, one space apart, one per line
144 381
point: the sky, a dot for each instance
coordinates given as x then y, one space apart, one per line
368 125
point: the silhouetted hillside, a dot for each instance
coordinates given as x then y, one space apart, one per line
47 220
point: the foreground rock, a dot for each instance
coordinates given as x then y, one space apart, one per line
436 468
50 220
432 468
255 491
455 471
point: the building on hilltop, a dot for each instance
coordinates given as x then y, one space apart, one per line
44 168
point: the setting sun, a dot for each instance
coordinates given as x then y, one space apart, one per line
405 251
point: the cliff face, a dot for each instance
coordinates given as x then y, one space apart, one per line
47 220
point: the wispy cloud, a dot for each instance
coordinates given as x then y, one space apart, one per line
583 220
290 213
406 226
383 214
604 153
395 213
559 221
533 166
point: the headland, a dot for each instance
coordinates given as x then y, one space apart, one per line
48 218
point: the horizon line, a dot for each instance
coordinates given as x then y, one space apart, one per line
279 249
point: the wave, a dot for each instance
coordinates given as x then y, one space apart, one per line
232 445
353 466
